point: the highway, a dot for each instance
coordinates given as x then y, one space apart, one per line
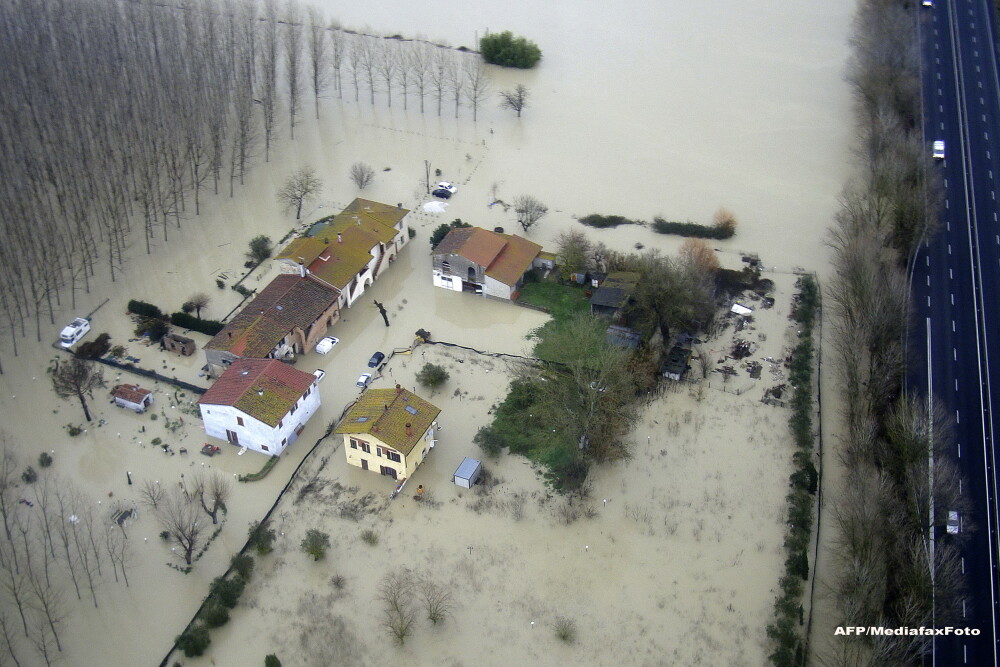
953 350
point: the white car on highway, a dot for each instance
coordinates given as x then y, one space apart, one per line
938 150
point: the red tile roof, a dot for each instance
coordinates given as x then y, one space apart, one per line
132 393
288 302
513 260
265 389
505 257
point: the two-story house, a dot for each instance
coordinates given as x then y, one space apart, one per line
473 259
288 317
261 403
351 250
389 431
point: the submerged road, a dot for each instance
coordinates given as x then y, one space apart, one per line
953 352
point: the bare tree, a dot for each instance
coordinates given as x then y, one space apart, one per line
13 582
119 550
301 186
516 100
78 378
199 302
48 602
212 493
369 55
529 211
387 67
362 174
338 47
420 59
269 72
9 471
396 595
293 61
151 494
456 81
436 598
317 54
438 75
7 635
478 84
179 516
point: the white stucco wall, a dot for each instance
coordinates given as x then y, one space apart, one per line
447 282
496 288
255 434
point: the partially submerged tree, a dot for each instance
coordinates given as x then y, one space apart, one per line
396 594
261 537
432 375
362 175
260 249
212 493
199 302
78 378
529 211
300 187
573 252
516 100
180 517
315 543
506 50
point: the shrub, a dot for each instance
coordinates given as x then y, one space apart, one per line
227 592
603 221
662 226
144 309
96 348
243 565
220 283
215 615
187 307
489 441
185 321
508 51
44 460
432 375
315 543
369 537
165 535
29 476
271 660
261 538
242 290
259 249
411 232
565 629
118 351
155 328
73 430
193 641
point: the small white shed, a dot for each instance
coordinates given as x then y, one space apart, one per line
468 473
132 396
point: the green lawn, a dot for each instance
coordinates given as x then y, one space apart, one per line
562 301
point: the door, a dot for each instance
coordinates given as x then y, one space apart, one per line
391 472
232 437
364 464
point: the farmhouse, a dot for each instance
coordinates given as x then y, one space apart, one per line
261 403
350 250
473 259
389 431
288 317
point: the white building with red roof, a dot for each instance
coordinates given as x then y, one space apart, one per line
262 404
473 259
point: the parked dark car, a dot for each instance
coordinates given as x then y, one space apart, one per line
442 193
376 360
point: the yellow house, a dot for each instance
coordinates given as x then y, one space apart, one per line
389 431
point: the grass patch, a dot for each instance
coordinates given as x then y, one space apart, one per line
561 301
603 221
262 473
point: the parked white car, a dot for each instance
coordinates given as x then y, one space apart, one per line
445 185
364 380
938 150
73 332
320 374
327 344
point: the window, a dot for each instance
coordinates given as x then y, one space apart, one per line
239 420
366 448
284 441
392 456
264 447
354 443
378 451
307 392
294 407
281 422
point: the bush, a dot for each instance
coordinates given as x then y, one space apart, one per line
603 221
260 249
220 283
29 476
242 290
369 537
96 348
662 226
155 328
193 641
261 538
489 441
44 460
243 565
227 592
118 351
411 232
144 309
215 615
565 629
271 660
185 321
165 535
508 51
315 543
432 375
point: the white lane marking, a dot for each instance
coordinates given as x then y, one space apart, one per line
927 260
959 449
953 298
949 248
951 274
958 420
928 281
953 326
956 384
947 225
954 354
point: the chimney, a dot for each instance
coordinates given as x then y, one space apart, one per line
409 431
340 239
302 270
399 389
260 391
399 204
385 407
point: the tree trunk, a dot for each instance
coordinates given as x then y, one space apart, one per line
83 404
